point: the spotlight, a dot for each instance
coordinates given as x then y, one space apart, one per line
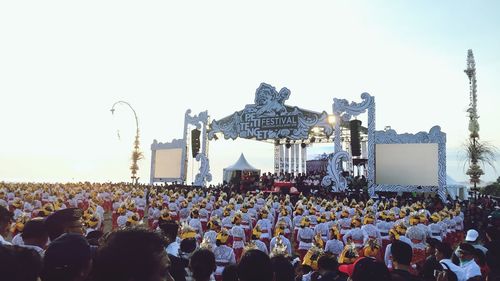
288 145
303 145
313 139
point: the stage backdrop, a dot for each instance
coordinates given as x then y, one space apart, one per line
168 163
407 164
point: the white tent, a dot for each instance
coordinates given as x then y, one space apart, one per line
455 189
241 165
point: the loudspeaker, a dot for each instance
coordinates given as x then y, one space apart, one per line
354 126
195 142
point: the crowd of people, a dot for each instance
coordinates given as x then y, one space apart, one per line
84 231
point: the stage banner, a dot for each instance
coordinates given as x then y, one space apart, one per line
270 118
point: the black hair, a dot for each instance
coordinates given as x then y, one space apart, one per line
282 269
401 252
94 237
202 264
188 245
255 265
129 254
230 273
5 217
35 228
368 269
328 262
466 247
170 229
493 233
66 258
445 249
18 263
432 241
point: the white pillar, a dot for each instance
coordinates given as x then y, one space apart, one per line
303 156
292 158
276 158
364 151
287 162
282 158
297 157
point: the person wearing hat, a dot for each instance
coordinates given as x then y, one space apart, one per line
259 245
472 238
265 226
65 221
238 235
67 258
334 245
224 255
305 237
214 226
279 235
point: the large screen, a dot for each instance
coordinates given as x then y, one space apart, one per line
168 163
406 164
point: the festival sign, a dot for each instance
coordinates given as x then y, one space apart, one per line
270 118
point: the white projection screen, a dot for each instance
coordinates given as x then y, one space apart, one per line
407 164
168 163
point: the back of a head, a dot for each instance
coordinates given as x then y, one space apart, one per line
368 269
19 264
35 229
230 273
445 250
5 218
66 258
255 265
202 264
282 269
328 262
188 245
401 252
170 229
493 233
58 222
130 254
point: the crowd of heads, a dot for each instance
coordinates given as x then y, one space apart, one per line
124 232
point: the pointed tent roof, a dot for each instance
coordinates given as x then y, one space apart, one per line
241 165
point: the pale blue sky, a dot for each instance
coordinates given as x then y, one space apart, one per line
64 63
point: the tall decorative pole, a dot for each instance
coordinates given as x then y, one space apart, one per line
136 153
474 171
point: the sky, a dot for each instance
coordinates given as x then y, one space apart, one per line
64 63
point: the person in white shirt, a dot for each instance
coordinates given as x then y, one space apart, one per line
443 254
35 235
465 253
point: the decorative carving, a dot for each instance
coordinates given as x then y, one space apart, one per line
390 136
334 171
203 175
434 136
175 143
270 118
201 122
344 111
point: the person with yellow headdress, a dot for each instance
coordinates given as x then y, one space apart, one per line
305 237
255 240
322 227
265 226
279 236
224 255
334 245
194 222
284 216
238 234
312 256
214 227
